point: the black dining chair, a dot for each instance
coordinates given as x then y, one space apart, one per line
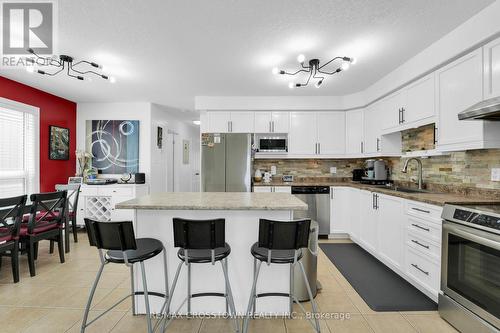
117 244
45 222
11 212
200 242
281 242
73 191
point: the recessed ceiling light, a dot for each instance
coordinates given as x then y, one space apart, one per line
196 122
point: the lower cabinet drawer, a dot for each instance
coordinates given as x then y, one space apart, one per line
423 270
111 191
423 245
427 230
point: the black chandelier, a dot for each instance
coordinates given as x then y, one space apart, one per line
64 62
315 70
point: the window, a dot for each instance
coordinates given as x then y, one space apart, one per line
19 173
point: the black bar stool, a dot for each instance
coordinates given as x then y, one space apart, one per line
122 247
280 242
201 241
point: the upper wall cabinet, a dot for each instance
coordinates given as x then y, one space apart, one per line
460 85
412 106
354 132
317 133
492 69
272 122
230 122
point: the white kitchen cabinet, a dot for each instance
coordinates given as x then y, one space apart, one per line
354 214
459 86
492 69
331 132
262 189
339 210
218 121
272 122
391 110
303 134
274 189
98 202
419 107
390 224
242 122
372 123
354 132
368 220
281 121
230 122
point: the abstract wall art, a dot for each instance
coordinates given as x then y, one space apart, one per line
114 145
58 143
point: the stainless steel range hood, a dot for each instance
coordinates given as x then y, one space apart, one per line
485 110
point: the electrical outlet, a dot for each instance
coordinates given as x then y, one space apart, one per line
495 174
333 169
273 170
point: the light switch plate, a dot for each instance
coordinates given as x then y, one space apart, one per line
333 169
495 174
273 170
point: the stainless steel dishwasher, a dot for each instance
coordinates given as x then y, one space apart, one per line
318 200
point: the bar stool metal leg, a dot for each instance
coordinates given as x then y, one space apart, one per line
229 297
189 290
252 298
146 297
166 320
132 288
292 281
254 295
91 296
311 298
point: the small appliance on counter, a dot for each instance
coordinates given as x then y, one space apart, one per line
358 174
267 177
257 177
376 172
140 178
287 178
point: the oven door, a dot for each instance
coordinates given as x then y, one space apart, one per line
471 270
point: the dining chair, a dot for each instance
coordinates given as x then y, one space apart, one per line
45 222
11 211
73 191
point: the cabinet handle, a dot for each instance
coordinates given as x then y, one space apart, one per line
331 193
362 147
420 227
420 269
418 243
421 210
228 126
376 201
273 125
399 115
403 115
319 148
378 144
373 200
270 128
435 134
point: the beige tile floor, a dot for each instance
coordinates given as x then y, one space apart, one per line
53 301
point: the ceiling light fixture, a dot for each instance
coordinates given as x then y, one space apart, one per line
315 70
67 62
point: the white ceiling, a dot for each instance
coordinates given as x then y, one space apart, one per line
167 52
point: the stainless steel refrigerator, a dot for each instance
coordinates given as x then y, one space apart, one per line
226 162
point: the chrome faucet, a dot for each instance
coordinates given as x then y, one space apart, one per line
405 169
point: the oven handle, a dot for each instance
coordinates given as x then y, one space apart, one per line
471 235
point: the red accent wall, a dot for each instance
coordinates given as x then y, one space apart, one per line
53 111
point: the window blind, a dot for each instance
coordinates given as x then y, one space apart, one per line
18 155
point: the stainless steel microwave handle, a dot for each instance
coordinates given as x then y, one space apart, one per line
471 235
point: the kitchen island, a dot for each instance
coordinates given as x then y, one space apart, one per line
242 211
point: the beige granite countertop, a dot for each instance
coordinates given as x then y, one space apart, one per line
432 198
215 201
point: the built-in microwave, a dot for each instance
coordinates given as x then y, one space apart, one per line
272 144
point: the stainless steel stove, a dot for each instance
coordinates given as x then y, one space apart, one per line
470 273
